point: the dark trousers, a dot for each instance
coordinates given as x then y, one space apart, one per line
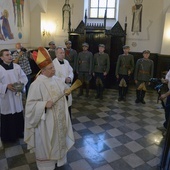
167 112
85 78
12 127
100 83
69 108
28 84
123 90
101 77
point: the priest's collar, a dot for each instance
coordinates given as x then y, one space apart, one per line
7 66
61 62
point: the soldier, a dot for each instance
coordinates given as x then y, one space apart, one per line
143 72
70 55
101 67
51 49
84 68
124 68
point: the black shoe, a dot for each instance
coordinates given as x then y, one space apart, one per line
80 94
143 102
21 136
120 99
101 97
87 95
97 97
137 101
124 99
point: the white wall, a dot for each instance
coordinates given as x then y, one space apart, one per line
152 25
153 17
35 36
54 15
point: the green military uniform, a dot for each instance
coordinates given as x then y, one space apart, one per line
51 49
71 57
52 53
84 69
143 72
125 64
101 64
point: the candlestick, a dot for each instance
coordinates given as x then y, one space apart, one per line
126 19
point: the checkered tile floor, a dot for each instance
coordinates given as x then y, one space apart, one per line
110 135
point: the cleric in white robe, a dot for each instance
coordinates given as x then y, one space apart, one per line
11 106
48 129
64 71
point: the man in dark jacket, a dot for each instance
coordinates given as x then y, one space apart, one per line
143 72
101 67
84 68
70 55
51 49
124 68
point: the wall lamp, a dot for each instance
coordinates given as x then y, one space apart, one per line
46 33
48 28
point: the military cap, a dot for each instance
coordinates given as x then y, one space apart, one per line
68 42
146 51
125 47
51 43
85 44
101 45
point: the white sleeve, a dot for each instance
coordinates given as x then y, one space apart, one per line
3 86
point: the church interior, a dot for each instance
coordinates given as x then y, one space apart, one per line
109 135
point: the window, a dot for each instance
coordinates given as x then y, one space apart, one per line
98 8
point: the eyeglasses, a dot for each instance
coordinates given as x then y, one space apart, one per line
52 44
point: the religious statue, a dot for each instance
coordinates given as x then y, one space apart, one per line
137 17
66 14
